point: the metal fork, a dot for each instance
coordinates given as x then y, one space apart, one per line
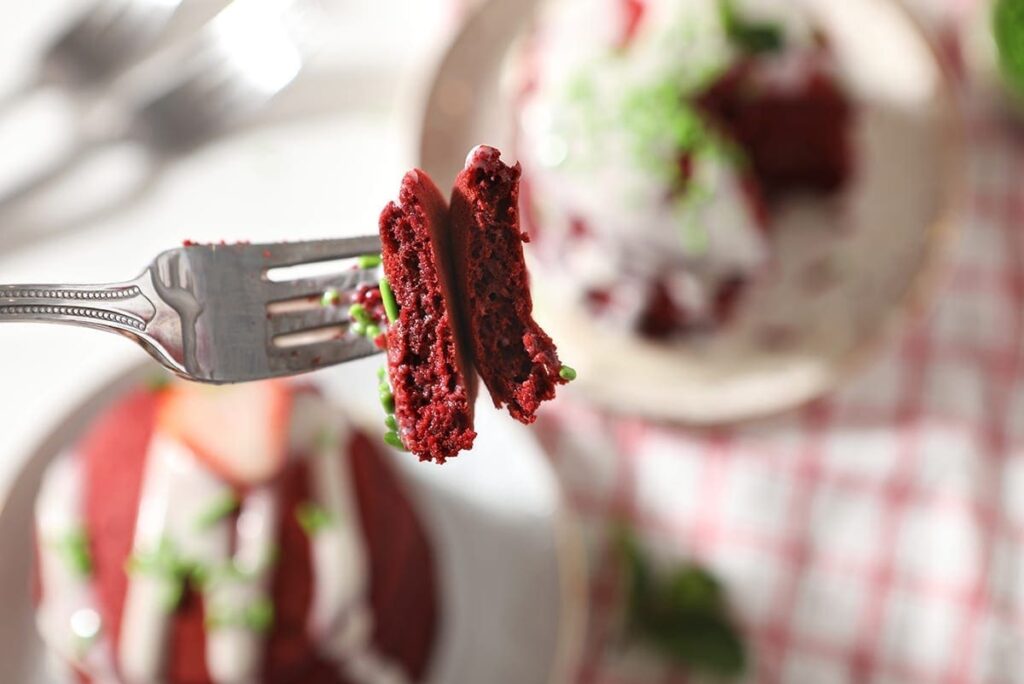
236 65
192 92
212 313
98 44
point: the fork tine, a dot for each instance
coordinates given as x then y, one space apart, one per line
346 281
311 319
277 255
321 354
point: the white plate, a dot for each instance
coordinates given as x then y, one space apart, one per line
508 553
895 227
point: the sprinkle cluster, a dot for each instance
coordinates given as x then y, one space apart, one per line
387 401
226 506
370 311
74 549
367 307
313 518
168 564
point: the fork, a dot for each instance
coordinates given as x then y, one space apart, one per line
192 92
212 313
104 40
250 52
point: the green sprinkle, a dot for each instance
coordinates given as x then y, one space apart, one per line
208 576
390 305
359 328
313 517
158 382
382 373
391 423
369 261
164 563
373 331
225 506
358 312
201 575
749 36
75 550
567 373
330 298
387 400
392 439
259 616
216 618
326 439
161 561
1008 28
173 595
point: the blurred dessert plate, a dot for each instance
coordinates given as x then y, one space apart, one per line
500 621
844 273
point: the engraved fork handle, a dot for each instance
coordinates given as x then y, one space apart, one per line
117 308
133 309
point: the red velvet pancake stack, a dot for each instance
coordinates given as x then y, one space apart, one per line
460 281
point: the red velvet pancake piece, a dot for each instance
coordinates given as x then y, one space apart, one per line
516 359
432 379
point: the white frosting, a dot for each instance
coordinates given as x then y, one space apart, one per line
177 495
337 550
339 615
68 615
583 163
177 491
233 652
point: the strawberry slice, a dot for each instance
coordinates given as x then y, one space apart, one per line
239 431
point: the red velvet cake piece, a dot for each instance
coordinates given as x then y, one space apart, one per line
431 376
516 359
797 137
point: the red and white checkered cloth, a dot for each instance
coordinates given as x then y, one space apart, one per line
874 536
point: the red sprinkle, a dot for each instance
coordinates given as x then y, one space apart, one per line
578 228
266 254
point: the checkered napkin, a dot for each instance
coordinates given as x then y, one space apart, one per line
874 536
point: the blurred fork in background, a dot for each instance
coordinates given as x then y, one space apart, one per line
185 95
98 44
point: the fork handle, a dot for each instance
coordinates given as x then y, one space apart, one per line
121 308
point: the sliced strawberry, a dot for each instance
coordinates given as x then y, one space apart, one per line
239 431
